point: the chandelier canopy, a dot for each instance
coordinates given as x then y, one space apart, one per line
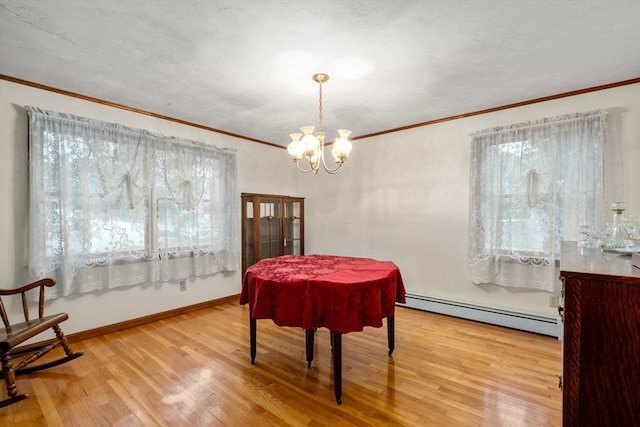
311 146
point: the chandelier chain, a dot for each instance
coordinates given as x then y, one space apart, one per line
320 109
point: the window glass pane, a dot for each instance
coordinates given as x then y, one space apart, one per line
116 230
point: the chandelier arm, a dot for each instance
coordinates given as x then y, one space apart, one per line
297 162
335 170
324 163
314 169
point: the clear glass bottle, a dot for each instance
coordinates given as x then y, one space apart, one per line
616 240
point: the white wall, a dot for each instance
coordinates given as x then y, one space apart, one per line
401 197
404 197
260 169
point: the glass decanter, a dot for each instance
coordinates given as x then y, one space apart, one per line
616 239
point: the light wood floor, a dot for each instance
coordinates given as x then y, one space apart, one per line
195 370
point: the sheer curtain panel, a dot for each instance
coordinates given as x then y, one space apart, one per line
116 206
531 185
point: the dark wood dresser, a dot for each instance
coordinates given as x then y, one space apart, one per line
601 342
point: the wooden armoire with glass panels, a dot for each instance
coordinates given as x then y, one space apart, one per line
272 225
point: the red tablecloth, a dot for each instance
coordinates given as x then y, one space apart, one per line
342 294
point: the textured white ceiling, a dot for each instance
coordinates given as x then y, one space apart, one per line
245 66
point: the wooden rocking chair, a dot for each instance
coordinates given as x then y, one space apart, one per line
13 335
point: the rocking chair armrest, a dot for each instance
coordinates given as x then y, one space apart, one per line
42 282
25 304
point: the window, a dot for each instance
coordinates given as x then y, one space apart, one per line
113 206
531 185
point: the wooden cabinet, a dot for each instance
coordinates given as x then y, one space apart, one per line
272 225
601 342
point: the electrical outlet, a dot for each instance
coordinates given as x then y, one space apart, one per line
553 301
183 285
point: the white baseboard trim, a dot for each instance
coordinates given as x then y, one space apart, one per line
521 321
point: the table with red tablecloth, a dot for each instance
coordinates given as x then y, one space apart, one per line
342 294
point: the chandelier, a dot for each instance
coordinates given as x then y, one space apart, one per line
311 146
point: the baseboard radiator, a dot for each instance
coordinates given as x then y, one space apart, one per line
521 321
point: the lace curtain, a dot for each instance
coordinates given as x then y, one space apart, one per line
531 185
115 206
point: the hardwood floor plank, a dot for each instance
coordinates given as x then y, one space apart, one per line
195 370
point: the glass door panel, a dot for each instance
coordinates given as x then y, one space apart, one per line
248 231
269 228
292 221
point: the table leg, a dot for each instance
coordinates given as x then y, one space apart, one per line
309 338
391 333
252 334
337 365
